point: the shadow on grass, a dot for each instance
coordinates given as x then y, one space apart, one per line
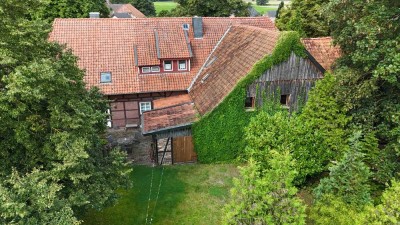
132 207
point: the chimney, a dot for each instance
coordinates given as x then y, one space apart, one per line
94 15
197 23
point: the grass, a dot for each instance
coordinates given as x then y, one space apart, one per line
262 9
189 194
164 6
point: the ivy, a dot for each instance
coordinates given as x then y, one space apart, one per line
218 135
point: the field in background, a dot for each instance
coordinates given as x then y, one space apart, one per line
189 194
164 6
272 5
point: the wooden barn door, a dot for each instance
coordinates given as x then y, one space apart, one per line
183 149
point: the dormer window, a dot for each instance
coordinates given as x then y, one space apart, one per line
146 69
182 65
168 65
155 69
105 77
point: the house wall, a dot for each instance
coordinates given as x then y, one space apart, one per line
294 77
124 109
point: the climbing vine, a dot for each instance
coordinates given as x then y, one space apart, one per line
219 135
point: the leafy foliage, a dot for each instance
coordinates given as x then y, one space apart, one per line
315 137
331 210
305 16
218 136
72 9
387 212
348 179
54 160
266 196
216 8
278 11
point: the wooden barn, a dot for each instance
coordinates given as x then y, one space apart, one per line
230 61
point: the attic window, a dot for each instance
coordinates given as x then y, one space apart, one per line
285 100
185 26
105 77
182 65
168 65
249 103
155 69
146 69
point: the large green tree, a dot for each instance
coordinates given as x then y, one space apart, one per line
54 163
217 8
308 17
72 9
369 74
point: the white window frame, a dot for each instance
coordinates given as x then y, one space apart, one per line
144 106
105 74
147 68
155 69
179 64
109 121
172 65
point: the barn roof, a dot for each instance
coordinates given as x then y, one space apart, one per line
231 61
122 9
322 50
119 46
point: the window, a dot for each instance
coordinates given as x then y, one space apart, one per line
249 104
145 106
168 65
146 69
182 65
109 123
105 77
155 69
285 100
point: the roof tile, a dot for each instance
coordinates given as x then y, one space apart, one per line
323 50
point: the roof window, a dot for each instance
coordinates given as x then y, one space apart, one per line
168 65
155 69
146 69
182 65
185 26
105 77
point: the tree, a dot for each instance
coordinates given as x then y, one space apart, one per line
348 179
278 11
261 2
72 9
52 147
266 196
217 8
305 16
145 6
388 211
369 71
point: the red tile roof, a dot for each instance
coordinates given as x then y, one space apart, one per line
171 101
323 50
107 45
158 119
127 8
231 61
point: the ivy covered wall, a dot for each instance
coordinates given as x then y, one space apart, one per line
218 135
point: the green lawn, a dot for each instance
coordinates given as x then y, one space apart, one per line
263 9
189 194
164 6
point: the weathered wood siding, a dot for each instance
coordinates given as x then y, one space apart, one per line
294 77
